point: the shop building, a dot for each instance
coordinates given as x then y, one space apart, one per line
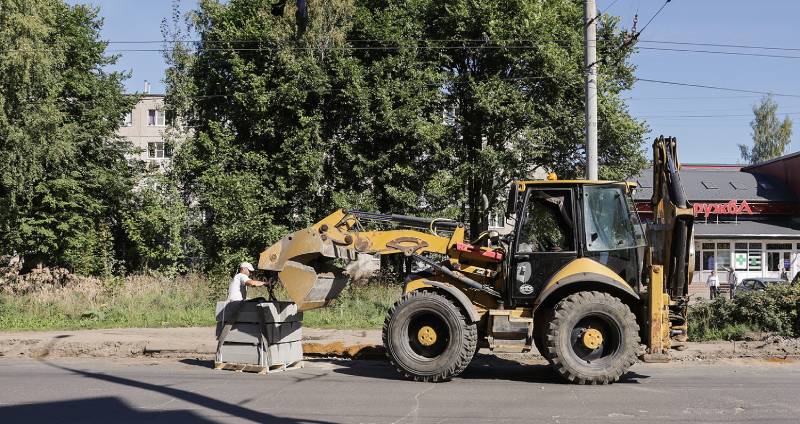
747 218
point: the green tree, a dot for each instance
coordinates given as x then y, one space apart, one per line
369 108
156 223
770 135
288 128
512 72
64 179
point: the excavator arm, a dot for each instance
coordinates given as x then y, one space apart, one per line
671 255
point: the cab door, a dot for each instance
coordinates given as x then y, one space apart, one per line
544 242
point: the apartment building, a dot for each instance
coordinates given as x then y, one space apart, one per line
145 126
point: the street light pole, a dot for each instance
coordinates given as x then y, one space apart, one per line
590 60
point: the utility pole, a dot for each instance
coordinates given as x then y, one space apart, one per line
590 60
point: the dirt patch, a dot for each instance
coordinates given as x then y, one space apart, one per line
772 348
340 350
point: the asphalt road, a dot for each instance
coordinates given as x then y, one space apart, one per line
494 390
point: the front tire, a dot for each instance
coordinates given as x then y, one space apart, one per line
427 337
592 338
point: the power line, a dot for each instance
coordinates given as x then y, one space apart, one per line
451 40
692 97
608 7
711 87
651 19
721 52
392 48
737 46
706 116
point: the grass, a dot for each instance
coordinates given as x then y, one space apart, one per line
147 301
361 306
188 301
133 302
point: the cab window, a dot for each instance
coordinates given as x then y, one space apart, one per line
548 224
610 222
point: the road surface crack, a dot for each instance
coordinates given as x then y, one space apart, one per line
415 410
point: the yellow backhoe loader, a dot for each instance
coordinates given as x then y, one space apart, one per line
577 278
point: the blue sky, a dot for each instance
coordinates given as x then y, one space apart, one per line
709 139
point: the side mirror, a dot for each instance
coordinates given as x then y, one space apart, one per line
511 202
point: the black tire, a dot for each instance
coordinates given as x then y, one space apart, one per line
583 312
540 334
451 352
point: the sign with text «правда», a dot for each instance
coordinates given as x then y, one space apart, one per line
730 208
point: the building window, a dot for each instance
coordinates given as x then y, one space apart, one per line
496 220
156 118
127 120
158 150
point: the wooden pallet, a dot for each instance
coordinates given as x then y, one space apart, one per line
259 369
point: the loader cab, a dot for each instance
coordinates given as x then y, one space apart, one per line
560 221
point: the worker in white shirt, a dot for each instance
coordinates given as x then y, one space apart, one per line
237 290
713 284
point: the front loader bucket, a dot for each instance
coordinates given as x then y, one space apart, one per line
304 262
311 288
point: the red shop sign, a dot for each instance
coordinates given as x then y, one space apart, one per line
730 208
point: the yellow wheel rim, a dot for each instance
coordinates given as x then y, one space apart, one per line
426 336
592 338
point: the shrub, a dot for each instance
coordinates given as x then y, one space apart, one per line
772 310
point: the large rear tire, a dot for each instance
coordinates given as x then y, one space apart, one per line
592 338
427 337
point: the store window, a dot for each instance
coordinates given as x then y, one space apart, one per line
723 256
754 257
710 256
779 256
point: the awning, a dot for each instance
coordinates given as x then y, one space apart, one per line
779 228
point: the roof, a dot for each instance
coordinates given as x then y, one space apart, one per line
711 166
755 166
146 95
720 184
521 184
772 228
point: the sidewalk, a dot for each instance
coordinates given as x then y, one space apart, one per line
191 342
199 342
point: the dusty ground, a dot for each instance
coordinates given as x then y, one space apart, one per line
198 342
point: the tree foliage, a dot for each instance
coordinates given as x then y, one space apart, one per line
770 134
419 107
64 179
156 223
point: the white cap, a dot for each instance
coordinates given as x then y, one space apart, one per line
247 265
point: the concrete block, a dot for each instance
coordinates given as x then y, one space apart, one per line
271 311
284 332
241 332
275 332
280 312
285 353
240 354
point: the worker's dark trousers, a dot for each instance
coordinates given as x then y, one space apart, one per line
713 292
